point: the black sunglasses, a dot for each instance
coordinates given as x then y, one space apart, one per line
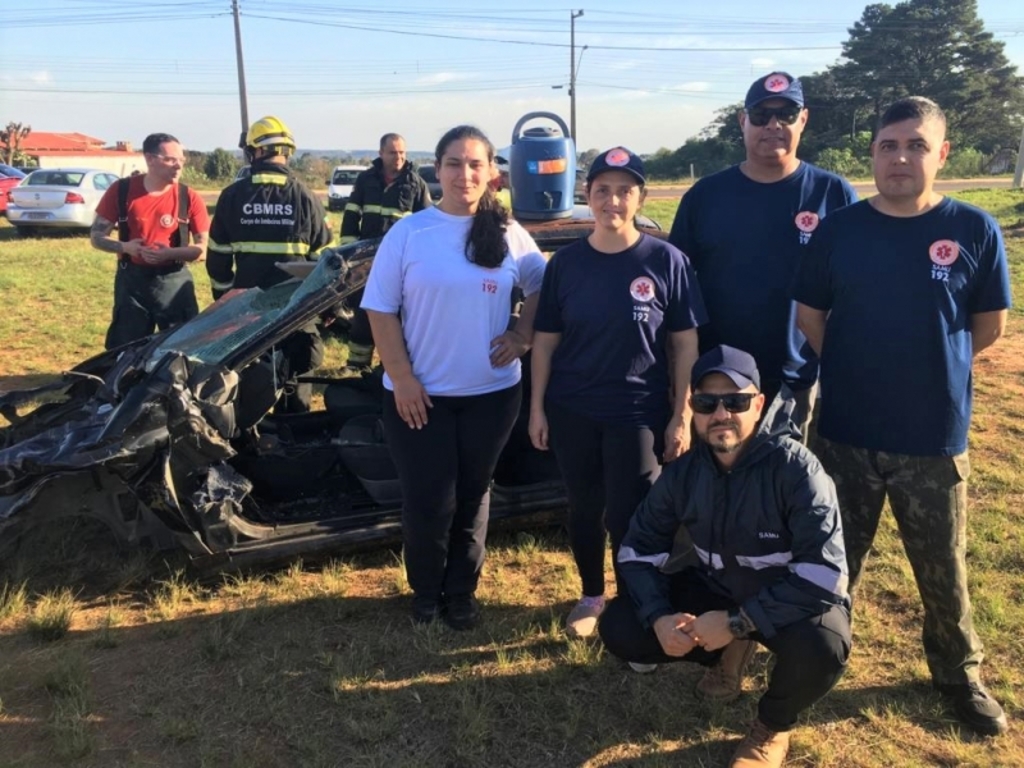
761 116
734 402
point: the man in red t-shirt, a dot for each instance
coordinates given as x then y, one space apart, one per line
153 287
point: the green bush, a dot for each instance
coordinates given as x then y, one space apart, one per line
844 162
964 164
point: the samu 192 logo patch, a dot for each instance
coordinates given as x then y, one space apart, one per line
166 221
807 221
944 252
642 289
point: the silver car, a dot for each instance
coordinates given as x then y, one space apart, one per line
57 198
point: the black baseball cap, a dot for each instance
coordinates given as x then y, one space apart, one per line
777 85
617 159
738 365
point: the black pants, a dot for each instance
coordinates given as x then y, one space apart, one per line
149 298
445 470
810 655
608 470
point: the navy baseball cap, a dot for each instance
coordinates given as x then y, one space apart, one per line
618 159
738 365
777 85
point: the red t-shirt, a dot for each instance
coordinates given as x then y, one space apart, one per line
153 217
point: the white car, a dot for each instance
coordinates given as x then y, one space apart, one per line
339 186
57 198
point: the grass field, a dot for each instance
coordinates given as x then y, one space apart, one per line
318 665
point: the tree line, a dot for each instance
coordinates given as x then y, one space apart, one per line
934 48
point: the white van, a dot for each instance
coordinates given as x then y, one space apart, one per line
339 186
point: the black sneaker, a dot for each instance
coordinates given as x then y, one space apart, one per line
975 707
462 612
425 609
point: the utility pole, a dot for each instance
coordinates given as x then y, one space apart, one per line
242 98
1018 174
573 15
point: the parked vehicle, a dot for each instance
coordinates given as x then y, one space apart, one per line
339 186
429 174
11 172
7 183
169 442
57 198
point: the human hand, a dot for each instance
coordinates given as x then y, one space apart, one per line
710 630
677 438
155 254
507 347
132 248
411 401
674 641
539 430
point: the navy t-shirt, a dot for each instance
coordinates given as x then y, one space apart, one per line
614 312
745 239
896 359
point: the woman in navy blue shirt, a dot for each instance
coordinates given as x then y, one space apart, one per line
616 337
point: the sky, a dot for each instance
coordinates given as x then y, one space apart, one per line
649 74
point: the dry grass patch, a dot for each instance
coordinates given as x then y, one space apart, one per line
51 615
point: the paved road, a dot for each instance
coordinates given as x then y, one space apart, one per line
864 188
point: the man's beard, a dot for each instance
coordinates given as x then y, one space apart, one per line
718 447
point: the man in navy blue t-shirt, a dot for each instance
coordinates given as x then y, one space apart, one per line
897 296
744 230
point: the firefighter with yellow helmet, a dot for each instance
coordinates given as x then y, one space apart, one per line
268 217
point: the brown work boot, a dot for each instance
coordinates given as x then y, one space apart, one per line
761 748
724 682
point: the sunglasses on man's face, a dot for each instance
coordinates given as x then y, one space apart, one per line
761 116
734 402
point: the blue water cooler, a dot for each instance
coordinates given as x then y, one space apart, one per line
542 169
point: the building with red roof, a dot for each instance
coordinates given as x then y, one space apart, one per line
54 150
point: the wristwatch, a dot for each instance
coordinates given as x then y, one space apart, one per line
739 625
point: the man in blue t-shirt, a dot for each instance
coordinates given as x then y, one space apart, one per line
744 230
898 294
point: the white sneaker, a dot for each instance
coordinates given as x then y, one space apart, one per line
582 619
642 669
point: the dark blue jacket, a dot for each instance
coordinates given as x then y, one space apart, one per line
767 532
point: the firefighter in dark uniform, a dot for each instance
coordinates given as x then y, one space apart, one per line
268 217
384 193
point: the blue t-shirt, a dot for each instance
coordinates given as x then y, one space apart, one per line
614 312
745 239
896 359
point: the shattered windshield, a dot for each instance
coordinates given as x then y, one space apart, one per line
239 316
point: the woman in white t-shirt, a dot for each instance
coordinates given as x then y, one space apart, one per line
438 298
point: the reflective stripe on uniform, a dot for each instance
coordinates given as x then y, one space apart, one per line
715 561
352 208
372 209
765 561
216 247
629 555
290 249
346 239
219 286
823 576
269 178
394 213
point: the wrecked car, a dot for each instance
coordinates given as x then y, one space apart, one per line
171 444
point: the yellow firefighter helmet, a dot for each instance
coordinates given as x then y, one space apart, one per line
270 132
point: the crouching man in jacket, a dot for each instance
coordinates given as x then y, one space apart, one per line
764 522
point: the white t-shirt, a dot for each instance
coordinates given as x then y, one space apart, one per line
450 308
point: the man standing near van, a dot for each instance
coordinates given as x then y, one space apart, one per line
383 194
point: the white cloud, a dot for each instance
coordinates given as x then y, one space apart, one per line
695 86
442 77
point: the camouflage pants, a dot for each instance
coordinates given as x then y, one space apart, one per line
928 497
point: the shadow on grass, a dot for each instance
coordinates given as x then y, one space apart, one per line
10 234
333 680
